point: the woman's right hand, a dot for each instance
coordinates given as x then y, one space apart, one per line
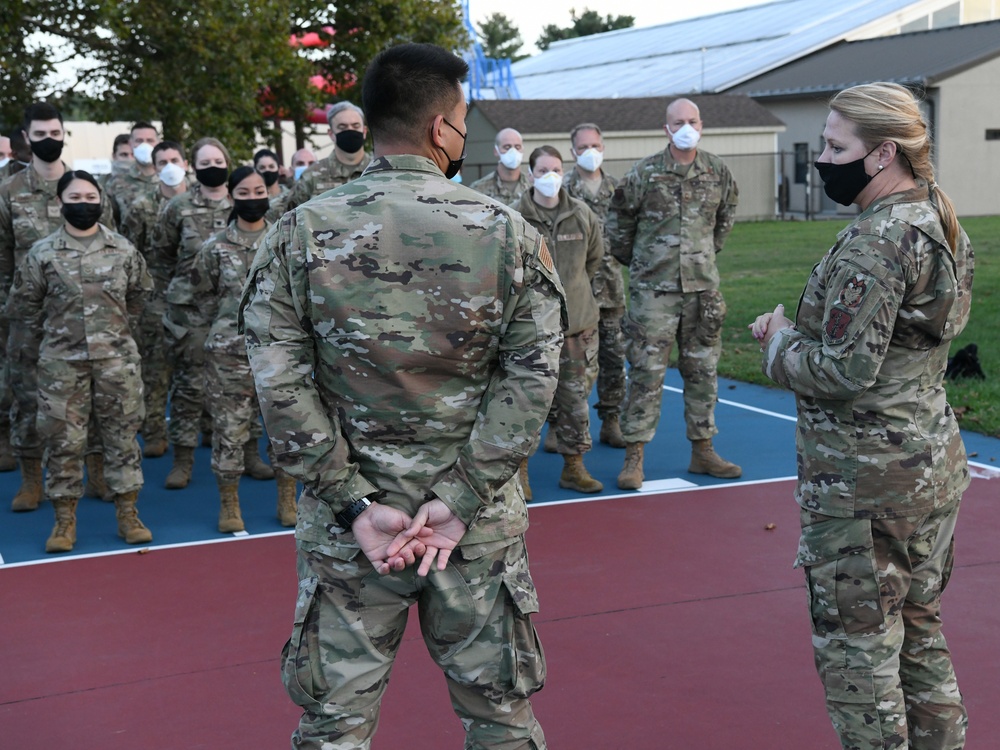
766 325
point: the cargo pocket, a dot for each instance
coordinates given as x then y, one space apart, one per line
711 315
522 669
841 577
301 669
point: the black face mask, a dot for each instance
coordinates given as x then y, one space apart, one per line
251 209
269 177
350 141
47 149
843 182
454 165
82 215
212 177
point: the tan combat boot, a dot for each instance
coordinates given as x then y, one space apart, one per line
154 448
30 493
180 473
611 433
551 443
254 467
631 475
704 460
522 474
130 528
576 477
230 519
286 498
96 486
63 535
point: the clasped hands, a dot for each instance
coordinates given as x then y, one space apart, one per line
768 324
392 540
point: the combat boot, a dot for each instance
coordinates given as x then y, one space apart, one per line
611 432
7 460
63 535
154 448
631 475
253 466
286 498
551 444
576 477
96 486
130 528
180 473
230 519
30 493
522 475
704 460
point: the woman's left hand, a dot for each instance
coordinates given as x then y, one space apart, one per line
768 324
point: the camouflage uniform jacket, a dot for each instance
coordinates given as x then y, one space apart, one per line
404 335
88 294
326 174
29 211
866 359
278 204
577 247
219 275
494 187
183 225
139 219
668 220
609 284
124 187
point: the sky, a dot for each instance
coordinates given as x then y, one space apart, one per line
531 16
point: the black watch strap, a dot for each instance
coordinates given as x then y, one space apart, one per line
348 515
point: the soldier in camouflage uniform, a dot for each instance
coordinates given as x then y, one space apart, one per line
29 211
139 176
589 183
669 217
882 467
346 162
216 283
507 183
265 161
20 154
573 234
404 335
184 223
81 286
138 224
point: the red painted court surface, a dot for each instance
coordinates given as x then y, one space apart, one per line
670 620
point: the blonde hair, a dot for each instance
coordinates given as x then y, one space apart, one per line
890 112
209 141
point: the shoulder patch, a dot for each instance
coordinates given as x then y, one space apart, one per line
853 293
837 325
545 257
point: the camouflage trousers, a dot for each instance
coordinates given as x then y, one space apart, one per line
570 412
611 363
73 394
875 600
232 399
475 617
654 321
155 368
186 349
6 396
22 379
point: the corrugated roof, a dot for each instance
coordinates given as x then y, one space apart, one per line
707 54
561 115
919 59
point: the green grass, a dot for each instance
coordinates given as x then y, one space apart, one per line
765 263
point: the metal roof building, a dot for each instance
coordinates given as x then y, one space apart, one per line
713 53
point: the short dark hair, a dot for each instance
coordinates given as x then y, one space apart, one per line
165 145
120 139
40 112
265 152
550 150
141 125
407 84
75 174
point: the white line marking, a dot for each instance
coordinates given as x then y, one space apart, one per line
740 406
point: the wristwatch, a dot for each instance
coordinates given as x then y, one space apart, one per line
349 515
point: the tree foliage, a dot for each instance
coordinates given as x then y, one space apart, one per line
500 38
587 23
206 67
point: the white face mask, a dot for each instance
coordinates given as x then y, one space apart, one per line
511 158
548 184
4 162
172 175
299 170
143 153
590 160
686 138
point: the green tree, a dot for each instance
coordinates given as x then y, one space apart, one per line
587 23
500 38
